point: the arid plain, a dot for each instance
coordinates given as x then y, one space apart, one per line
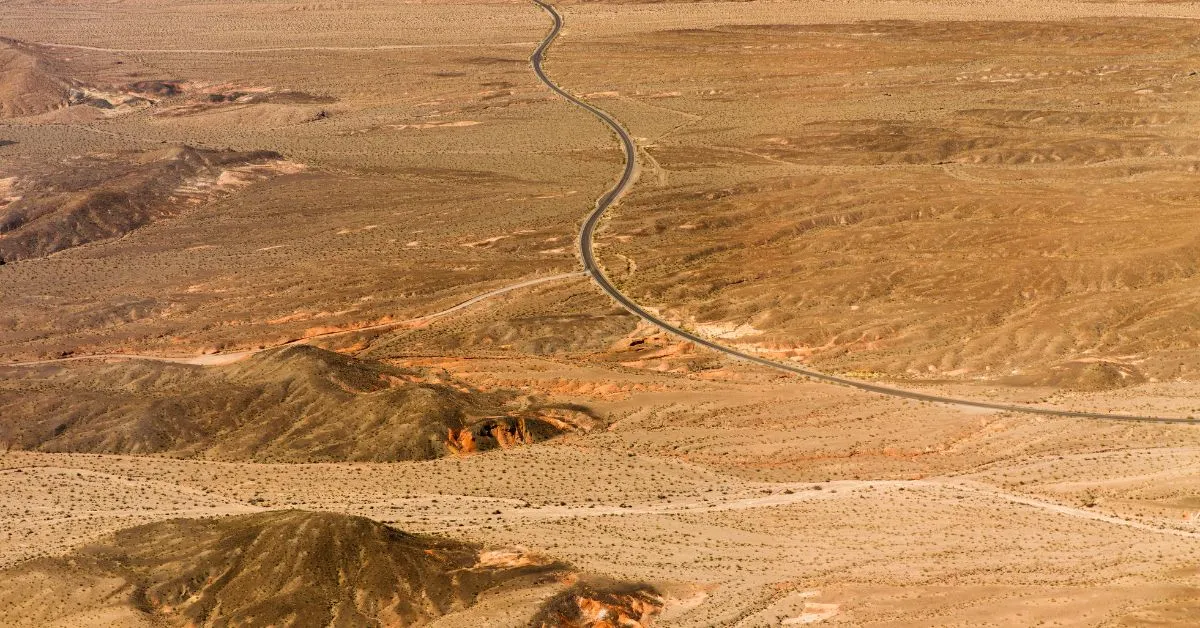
350 371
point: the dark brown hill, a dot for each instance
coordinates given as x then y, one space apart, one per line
54 206
292 404
282 568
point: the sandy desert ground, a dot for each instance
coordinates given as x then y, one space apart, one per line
327 253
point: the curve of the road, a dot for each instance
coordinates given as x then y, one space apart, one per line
587 234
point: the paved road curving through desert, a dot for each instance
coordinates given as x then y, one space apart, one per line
586 253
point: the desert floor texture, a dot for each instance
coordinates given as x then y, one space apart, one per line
292 309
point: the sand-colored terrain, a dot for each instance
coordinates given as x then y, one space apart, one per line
429 174
966 200
324 256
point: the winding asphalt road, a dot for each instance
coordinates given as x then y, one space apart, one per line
586 253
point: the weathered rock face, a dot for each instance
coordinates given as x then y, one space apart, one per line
601 604
505 432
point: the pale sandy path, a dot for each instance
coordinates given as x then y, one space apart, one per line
977 488
776 495
441 512
218 359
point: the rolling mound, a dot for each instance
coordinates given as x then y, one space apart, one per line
78 200
293 404
29 84
291 568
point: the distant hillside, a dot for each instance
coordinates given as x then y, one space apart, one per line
293 404
283 568
55 85
29 82
53 206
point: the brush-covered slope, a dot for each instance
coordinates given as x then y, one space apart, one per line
53 206
293 404
282 568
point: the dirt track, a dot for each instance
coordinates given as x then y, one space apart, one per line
218 359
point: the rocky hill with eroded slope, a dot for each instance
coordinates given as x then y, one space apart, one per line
291 568
293 404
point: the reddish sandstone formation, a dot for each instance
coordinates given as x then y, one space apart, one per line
601 605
